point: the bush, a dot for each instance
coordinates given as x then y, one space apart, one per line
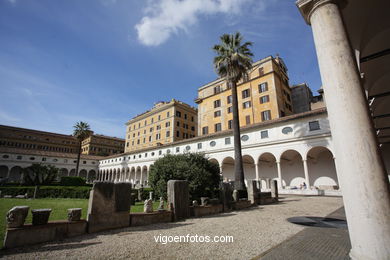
48 191
144 194
72 181
202 175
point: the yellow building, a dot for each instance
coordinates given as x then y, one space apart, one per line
102 145
166 122
264 95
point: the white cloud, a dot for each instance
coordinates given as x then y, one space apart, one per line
165 17
12 1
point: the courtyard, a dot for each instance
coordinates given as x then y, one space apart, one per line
255 231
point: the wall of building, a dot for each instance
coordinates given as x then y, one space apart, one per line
266 71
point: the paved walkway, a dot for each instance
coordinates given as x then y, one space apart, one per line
255 230
314 243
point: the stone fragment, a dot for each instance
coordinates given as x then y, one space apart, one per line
40 216
195 203
178 196
204 201
74 214
161 205
16 216
235 195
148 206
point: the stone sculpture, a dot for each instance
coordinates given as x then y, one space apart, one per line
148 206
74 214
16 216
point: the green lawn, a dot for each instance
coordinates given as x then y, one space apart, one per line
59 209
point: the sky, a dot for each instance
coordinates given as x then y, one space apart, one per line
106 61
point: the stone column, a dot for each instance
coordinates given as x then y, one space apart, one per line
307 180
280 182
141 178
360 169
257 171
178 198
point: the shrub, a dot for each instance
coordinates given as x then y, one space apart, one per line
38 174
72 181
48 191
202 175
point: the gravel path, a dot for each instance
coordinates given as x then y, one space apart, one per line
254 231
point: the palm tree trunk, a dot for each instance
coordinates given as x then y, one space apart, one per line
78 159
238 168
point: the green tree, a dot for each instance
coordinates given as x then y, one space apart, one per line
81 130
38 174
233 60
202 175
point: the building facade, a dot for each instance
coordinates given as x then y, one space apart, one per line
12 160
291 150
102 145
165 123
263 95
16 137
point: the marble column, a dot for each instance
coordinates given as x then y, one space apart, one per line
280 180
257 171
306 171
360 169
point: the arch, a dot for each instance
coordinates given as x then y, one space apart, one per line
268 169
213 160
3 171
91 175
249 167
228 169
15 174
321 168
137 175
83 173
292 169
132 175
72 172
144 175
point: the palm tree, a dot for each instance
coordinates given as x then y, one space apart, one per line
81 130
232 62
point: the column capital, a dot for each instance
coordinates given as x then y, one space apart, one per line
307 7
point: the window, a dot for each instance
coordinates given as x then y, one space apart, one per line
145 122
158 127
160 152
227 140
261 71
151 120
314 125
282 113
19 157
159 117
217 89
205 130
246 104
264 99
151 129
263 87
199 145
177 149
245 138
7 156
264 134
266 115
217 127
230 124
246 93
167 124
158 136
168 133
185 116
212 143
168 114
229 99
230 110
192 128
192 119
84 162
286 130
178 113
248 120
217 103
217 113
150 138
177 133
138 141
178 123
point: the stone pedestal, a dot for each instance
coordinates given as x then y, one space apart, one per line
74 214
204 201
274 190
178 198
109 206
17 216
226 196
253 191
40 216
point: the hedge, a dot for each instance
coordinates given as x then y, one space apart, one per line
72 181
80 192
